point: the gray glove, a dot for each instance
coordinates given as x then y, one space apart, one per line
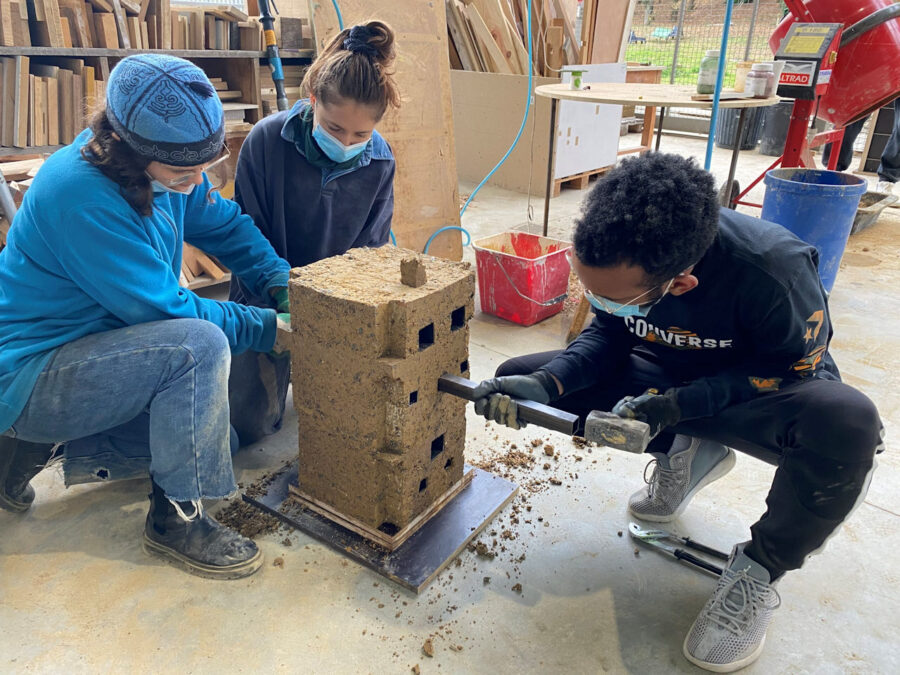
494 397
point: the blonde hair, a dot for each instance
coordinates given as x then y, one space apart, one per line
356 66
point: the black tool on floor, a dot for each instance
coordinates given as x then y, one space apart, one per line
666 542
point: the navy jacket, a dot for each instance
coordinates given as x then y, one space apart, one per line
757 321
305 212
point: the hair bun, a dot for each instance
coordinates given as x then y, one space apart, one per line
358 41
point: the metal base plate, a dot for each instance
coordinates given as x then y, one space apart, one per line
422 557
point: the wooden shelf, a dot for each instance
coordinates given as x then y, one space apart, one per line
81 52
294 54
44 149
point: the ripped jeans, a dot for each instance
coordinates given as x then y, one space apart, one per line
147 398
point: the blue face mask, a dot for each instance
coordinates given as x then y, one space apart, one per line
337 151
627 309
159 188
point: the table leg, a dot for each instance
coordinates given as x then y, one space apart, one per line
551 153
649 121
659 127
727 188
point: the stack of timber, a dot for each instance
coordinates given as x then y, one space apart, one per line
491 36
125 24
46 102
293 78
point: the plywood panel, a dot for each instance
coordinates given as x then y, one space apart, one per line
609 28
426 196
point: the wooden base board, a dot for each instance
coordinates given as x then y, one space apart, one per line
388 542
579 181
416 563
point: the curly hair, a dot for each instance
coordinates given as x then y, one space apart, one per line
658 211
118 162
357 66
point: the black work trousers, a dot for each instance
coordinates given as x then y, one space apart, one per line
821 434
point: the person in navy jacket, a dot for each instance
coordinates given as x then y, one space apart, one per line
101 350
317 181
713 328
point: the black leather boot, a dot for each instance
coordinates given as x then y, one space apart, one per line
201 545
20 461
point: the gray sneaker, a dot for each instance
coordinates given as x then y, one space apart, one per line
730 631
691 465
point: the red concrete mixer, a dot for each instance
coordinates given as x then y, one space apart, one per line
867 73
854 69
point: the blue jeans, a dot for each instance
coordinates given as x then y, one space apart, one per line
151 397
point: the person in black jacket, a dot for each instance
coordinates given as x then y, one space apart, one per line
712 327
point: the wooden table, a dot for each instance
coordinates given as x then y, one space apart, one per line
651 96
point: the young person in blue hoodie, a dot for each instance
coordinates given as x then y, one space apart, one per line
100 349
317 181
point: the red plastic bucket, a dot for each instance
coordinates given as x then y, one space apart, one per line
867 73
522 277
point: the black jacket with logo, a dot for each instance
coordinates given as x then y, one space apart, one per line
757 321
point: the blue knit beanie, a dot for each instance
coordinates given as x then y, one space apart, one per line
165 109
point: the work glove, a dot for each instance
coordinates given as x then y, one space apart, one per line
658 411
494 397
282 300
283 335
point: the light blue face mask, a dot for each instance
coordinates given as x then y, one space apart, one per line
337 151
628 308
159 188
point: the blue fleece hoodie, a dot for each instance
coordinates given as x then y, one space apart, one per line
80 260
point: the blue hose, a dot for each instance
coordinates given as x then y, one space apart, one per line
444 229
393 238
719 77
337 10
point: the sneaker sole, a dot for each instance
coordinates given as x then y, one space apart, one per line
723 667
723 467
236 571
13 506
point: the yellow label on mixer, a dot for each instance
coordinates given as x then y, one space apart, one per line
804 44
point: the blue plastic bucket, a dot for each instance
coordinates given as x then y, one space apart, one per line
819 207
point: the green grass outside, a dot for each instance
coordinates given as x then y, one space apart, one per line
691 51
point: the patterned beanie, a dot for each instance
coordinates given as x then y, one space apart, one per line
165 109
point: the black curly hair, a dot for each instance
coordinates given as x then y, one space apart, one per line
658 211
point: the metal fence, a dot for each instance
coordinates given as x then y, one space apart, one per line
676 34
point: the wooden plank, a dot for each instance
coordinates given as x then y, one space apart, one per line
21 169
131 7
230 95
455 62
52 84
20 135
66 106
145 5
493 18
54 23
103 5
134 32
32 134
6 25
554 49
165 23
189 259
7 100
74 11
572 42
461 38
66 32
89 83
106 30
121 25
88 11
486 41
209 266
145 35
21 31
389 543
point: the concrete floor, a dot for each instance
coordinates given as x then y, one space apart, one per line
77 594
